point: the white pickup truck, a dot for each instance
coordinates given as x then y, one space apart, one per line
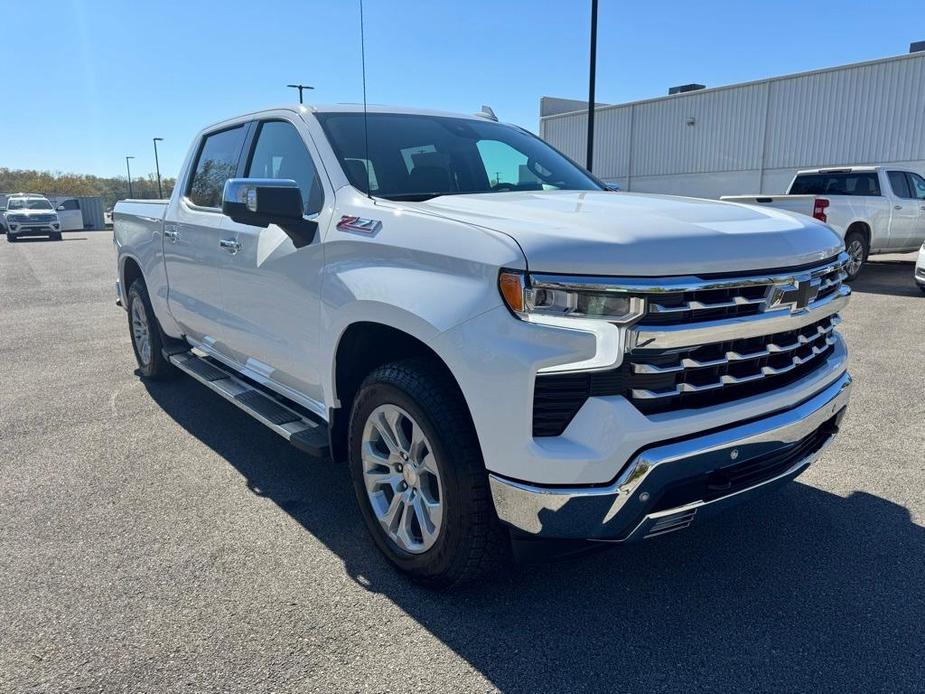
499 347
874 209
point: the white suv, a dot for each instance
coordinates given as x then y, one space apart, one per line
30 214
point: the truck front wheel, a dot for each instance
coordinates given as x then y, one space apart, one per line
146 335
419 477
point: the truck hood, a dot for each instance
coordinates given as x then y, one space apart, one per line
31 213
631 234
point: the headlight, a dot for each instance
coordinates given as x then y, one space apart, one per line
540 297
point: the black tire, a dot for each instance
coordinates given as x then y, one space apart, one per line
921 288
471 542
56 237
156 367
858 239
11 238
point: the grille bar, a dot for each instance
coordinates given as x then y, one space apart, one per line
730 356
703 305
750 367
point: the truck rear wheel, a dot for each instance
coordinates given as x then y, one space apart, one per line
857 248
145 331
419 477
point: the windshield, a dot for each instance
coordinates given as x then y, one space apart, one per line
417 157
28 204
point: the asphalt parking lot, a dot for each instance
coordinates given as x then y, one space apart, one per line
154 538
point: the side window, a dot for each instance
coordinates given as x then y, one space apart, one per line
281 153
218 161
69 205
899 184
917 184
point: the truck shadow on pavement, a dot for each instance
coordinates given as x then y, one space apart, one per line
891 277
799 590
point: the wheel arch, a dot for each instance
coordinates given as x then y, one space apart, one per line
362 347
860 226
130 271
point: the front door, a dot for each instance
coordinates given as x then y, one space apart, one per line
271 289
191 239
70 215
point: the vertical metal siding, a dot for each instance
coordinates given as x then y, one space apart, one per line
568 134
856 115
852 115
723 137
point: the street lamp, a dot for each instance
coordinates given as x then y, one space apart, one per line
592 68
128 170
157 166
300 87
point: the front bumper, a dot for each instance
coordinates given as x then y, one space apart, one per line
27 229
665 487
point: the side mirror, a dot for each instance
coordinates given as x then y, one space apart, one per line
60 208
261 202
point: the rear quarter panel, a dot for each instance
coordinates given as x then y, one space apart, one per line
138 227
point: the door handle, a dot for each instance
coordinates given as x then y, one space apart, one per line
230 245
171 234
897 207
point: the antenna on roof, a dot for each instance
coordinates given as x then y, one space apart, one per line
488 112
365 120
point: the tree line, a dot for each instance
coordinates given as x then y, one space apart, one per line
56 183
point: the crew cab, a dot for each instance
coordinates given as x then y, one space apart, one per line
30 214
875 209
499 348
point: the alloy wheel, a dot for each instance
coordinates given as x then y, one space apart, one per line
855 257
140 333
402 479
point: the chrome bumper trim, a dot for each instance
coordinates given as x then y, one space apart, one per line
622 511
757 325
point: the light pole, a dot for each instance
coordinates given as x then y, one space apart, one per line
128 171
157 167
300 87
592 69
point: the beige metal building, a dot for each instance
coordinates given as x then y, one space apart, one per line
752 137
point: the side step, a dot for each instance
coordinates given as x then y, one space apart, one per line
302 432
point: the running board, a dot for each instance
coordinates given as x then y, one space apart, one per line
302 432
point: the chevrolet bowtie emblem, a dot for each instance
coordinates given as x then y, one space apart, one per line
796 295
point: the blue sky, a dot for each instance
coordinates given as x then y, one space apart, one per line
90 81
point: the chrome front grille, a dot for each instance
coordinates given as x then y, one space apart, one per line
695 301
705 341
36 219
709 374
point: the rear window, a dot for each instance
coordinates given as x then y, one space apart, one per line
900 184
861 183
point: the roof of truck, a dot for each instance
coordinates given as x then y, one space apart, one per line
358 108
840 169
381 108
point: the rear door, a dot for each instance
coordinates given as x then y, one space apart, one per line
906 219
271 289
191 238
917 191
